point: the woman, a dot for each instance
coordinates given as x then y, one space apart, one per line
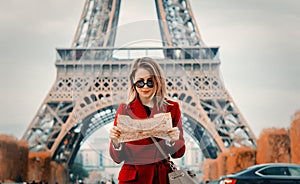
143 162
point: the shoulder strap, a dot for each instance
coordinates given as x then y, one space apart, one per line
172 165
159 148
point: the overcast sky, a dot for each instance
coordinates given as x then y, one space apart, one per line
259 50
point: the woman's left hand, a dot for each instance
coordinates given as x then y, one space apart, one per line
173 134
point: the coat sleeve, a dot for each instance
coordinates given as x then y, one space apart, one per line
178 149
117 155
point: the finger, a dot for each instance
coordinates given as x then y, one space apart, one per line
117 134
114 137
173 134
114 134
115 129
174 137
173 129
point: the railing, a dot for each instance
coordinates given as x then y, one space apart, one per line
115 54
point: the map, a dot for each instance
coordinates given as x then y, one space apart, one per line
136 129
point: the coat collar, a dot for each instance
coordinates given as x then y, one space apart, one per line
137 110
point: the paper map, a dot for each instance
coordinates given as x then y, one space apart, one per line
136 129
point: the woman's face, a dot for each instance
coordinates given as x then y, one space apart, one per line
144 78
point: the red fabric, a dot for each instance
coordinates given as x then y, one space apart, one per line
143 163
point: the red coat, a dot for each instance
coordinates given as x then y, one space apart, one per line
143 163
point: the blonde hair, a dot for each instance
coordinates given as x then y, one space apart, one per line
155 70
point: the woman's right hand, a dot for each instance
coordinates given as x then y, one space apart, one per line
115 135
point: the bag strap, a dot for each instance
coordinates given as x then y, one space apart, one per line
159 148
172 165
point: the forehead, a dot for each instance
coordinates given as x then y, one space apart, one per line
142 73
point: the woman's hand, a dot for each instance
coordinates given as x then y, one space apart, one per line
173 134
115 135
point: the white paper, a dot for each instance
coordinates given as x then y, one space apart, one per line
136 129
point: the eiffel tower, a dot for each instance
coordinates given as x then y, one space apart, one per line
92 79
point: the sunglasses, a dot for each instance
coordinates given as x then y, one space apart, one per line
141 83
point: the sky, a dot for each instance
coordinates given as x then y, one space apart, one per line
259 44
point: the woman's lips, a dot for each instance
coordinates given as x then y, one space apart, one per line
146 91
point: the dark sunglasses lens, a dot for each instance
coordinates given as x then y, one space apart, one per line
140 84
150 83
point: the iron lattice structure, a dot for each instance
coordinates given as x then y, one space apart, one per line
92 81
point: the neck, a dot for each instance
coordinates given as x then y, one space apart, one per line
146 101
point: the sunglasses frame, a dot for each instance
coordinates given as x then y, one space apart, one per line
136 84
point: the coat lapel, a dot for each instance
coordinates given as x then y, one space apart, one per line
136 110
